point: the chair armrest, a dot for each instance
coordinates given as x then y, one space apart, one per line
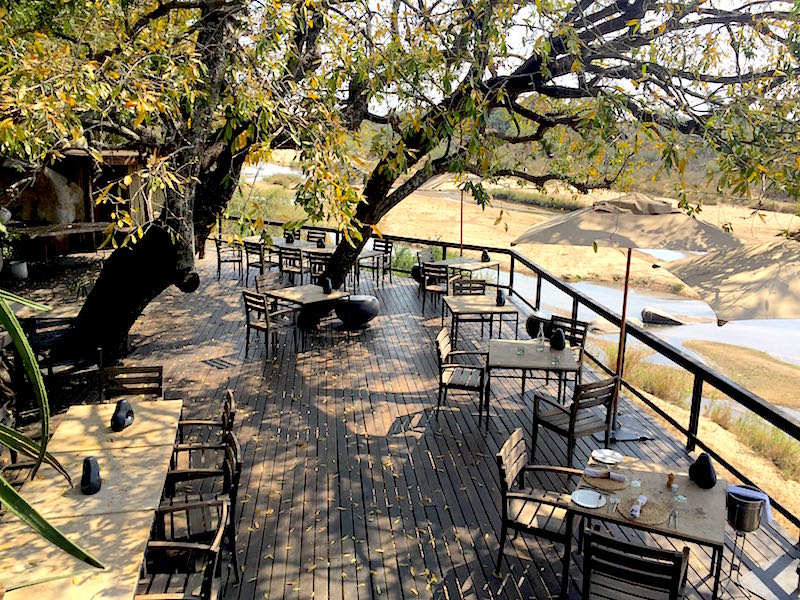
468 352
547 399
167 545
460 366
191 422
541 498
179 506
191 446
551 469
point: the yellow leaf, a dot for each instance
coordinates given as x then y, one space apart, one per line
127 180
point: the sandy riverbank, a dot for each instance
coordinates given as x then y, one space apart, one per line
435 214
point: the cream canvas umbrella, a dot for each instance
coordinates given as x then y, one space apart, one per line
752 282
630 221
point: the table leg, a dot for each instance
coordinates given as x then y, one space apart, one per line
523 385
486 394
567 557
717 571
516 328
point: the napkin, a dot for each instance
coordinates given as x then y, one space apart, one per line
766 511
636 509
604 474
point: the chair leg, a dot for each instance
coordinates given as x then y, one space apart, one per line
534 439
232 549
570 450
503 535
439 401
424 294
247 343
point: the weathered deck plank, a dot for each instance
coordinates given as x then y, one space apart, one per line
352 488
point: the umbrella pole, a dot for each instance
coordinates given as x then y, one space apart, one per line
620 433
621 346
462 223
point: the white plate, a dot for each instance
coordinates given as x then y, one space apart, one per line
607 456
588 498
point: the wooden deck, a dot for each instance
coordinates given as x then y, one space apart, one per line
351 488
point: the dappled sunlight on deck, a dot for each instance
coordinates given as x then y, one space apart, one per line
352 488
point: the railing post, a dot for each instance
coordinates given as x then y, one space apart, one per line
510 277
538 303
694 413
444 251
574 309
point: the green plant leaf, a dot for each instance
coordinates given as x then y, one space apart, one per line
23 347
11 438
17 505
12 297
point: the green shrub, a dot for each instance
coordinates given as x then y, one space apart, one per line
535 199
770 442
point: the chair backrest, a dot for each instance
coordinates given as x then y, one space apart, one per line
425 255
268 281
291 259
314 235
255 307
383 245
317 263
254 248
131 381
468 287
228 411
438 272
574 330
444 346
598 393
616 569
226 248
511 458
232 466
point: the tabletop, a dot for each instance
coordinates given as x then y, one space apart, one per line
477 304
305 294
522 354
132 479
463 263
86 427
701 520
370 254
117 540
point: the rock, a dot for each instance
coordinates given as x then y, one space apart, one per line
122 417
557 340
533 321
656 316
90 480
702 472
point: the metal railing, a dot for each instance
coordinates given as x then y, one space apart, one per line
702 374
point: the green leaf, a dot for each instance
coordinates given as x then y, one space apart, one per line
17 505
12 297
11 438
9 320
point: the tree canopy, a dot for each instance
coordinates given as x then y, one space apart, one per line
576 85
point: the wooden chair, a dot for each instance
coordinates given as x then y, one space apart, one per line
228 253
181 560
314 235
426 255
47 334
578 419
317 265
262 317
220 426
470 287
385 261
434 281
616 569
132 381
292 264
269 281
458 376
214 471
532 510
575 335
257 257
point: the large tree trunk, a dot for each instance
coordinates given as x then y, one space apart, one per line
131 278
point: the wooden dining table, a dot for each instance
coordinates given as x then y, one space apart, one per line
701 518
113 525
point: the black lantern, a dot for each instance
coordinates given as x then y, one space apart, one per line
90 479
